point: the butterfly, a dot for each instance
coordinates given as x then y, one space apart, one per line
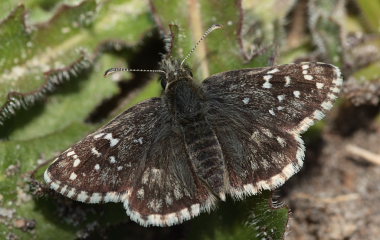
169 158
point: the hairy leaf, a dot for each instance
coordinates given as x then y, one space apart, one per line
36 58
325 18
73 35
254 218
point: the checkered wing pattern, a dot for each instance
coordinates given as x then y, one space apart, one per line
258 115
135 159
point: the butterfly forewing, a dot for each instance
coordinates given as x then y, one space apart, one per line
258 115
291 96
98 163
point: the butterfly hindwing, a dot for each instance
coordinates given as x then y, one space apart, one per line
135 159
257 157
258 115
167 191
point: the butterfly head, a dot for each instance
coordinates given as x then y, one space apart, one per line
174 72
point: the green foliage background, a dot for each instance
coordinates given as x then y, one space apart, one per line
52 58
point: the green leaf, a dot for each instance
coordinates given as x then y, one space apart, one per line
369 73
254 218
222 50
37 58
26 154
73 102
44 129
269 220
325 18
370 10
261 27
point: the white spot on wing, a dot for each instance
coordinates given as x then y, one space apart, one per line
222 196
246 100
267 132
63 190
155 219
95 152
327 105
281 97
273 71
97 167
288 171
71 193
76 162
250 188
296 94
140 193
267 84
145 176
195 209
73 176
95 198
267 77
272 112
185 214
277 180
308 77
331 96
70 153
168 200
281 141
155 205
156 175
263 185
319 85
112 159
287 81
318 115
139 140
99 135
177 192
82 196
335 90
113 141
111 197
47 176
54 185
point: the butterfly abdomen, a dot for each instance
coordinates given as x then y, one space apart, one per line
205 154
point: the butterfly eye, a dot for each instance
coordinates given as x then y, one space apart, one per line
163 83
188 71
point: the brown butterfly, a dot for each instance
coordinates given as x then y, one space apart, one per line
170 158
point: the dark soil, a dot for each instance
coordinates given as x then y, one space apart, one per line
337 193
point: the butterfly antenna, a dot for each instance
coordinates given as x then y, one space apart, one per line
212 28
113 70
